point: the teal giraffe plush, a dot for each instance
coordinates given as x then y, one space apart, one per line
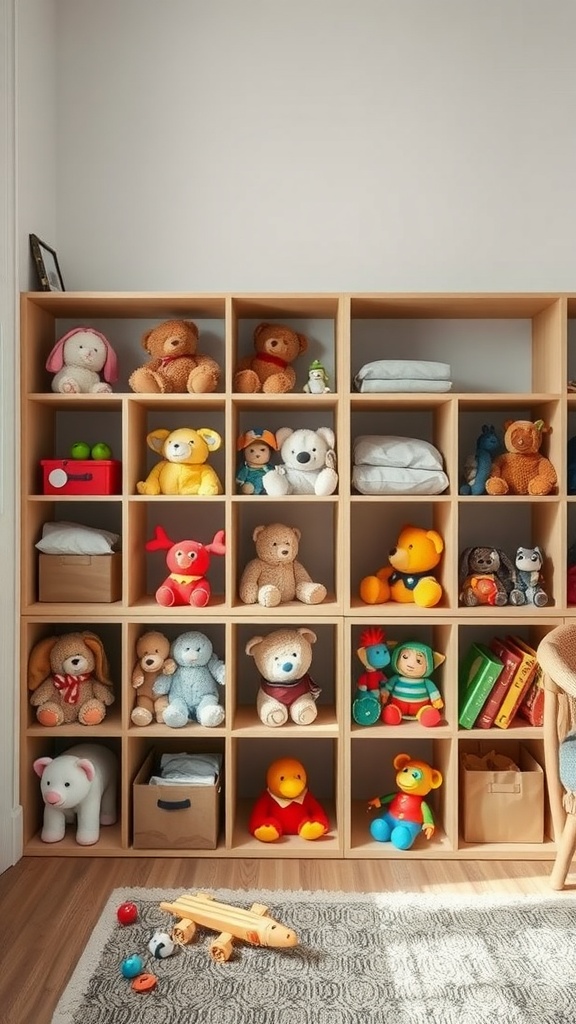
477 467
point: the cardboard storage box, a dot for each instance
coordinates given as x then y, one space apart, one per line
81 476
503 806
174 817
81 578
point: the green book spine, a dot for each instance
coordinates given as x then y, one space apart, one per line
479 671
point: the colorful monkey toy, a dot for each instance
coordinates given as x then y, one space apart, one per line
375 656
410 693
188 562
407 812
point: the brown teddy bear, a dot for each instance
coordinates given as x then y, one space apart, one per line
183 469
175 367
410 575
68 680
152 654
269 370
522 470
286 689
275 576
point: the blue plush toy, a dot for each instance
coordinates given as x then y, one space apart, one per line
193 688
477 467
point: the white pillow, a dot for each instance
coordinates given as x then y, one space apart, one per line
404 452
74 539
414 369
392 480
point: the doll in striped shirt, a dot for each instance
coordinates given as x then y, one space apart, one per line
410 693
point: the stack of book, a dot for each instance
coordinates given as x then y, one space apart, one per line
499 681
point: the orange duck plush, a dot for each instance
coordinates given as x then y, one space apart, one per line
287 807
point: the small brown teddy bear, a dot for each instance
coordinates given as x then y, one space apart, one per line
68 680
269 370
175 367
286 689
275 576
152 653
521 469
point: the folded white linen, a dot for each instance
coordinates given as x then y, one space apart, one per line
412 369
392 450
397 480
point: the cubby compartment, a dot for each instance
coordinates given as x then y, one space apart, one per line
507 357
251 759
178 519
317 533
375 527
495 343
422 465
521 522
314 318
52 743
430 639
372 774
145 656
322 637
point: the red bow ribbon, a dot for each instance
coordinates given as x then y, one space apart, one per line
70 686
267 357
168 359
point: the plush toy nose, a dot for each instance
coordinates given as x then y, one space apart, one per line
392 551
303 457
52 797
287 666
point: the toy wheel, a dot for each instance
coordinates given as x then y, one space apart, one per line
366 710
183 932
221 950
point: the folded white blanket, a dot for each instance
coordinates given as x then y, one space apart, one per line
375 386
409 369
188 769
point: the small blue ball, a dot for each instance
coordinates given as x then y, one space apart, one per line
132 966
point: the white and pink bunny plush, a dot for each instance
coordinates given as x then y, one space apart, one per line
77 361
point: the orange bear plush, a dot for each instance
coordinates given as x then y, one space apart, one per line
521 469
270 370
175 367
409 577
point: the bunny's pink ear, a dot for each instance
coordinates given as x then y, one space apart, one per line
110 371
55 360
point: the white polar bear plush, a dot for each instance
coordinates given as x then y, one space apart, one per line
308 465
77 361
81 784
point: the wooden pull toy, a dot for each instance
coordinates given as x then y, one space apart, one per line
254 926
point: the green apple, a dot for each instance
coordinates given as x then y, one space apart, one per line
101 451
80 450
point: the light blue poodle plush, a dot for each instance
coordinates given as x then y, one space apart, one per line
193 688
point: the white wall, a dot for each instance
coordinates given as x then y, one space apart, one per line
316 144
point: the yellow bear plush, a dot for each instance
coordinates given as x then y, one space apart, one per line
409 577
183 469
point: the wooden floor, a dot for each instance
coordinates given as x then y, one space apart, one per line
49 905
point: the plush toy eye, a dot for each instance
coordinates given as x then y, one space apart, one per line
66 785
410 546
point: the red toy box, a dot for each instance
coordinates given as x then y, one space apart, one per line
81 476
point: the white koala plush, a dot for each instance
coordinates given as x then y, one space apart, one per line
308 463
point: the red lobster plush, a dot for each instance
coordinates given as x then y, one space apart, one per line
188 562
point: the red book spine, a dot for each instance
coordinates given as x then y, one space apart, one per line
500 688
532 705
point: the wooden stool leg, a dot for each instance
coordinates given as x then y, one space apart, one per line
565 853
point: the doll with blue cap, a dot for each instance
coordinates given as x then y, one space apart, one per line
257 447
410 693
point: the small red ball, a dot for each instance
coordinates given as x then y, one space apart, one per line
127 913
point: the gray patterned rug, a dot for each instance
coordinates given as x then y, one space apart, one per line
385 958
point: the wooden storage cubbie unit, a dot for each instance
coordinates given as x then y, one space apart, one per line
511 356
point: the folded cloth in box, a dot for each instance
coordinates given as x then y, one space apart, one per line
380 385
404 369
187 769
